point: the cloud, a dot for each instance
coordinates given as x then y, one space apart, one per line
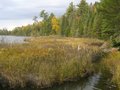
18 9
21 10
10 24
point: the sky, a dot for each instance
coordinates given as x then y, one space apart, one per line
14 13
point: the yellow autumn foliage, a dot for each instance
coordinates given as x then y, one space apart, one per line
55 24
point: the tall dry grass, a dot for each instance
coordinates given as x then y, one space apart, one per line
111 64
45 61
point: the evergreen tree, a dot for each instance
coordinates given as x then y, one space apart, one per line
82 14
111 14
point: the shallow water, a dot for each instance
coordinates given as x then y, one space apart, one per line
12 39
86 84
95 82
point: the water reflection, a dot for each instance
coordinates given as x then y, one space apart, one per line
12 39
87 84
105 83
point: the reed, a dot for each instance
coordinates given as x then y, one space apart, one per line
111 64
45 61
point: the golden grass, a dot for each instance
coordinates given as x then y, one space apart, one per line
112 64
48 60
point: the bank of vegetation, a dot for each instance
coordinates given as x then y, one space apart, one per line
111 67
45 61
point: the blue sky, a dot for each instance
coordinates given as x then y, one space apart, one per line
20 12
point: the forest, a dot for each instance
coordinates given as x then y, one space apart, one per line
99 20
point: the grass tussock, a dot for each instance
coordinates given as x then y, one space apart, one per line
45 61
112 65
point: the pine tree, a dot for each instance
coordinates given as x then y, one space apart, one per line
111 14
82 14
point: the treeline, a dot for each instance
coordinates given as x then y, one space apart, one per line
48 26
4 32
99 20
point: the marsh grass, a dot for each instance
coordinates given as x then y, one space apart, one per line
111 66
45 61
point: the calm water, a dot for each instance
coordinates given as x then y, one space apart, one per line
87 84
12 39
95 82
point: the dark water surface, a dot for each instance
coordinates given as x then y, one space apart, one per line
95 82
86 84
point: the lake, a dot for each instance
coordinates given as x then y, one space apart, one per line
12 39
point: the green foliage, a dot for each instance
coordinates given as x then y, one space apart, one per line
4 32
111 15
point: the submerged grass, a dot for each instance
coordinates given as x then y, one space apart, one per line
48 60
